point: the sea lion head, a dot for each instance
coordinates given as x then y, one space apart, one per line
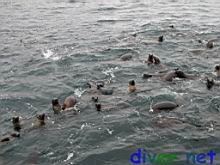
209 83
16 123
100 85
210 44
180 74
55 102
41 119
217 70
132 83
98 107
150 58
131 86
95 99
15 120
160 38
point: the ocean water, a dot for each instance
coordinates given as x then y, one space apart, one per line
52 48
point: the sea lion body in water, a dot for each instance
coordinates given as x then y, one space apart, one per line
170 75
69 102
9 137
165 105
126 57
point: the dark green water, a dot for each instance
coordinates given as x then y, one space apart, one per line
51 48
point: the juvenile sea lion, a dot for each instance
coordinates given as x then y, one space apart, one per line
217 70
164 105
56 106
160 39
126 57
69 101
16 123
131 86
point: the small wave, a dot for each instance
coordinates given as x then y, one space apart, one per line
49 54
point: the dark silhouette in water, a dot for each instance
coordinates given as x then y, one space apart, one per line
160 38
16 123
131 86
153 59
98 107
164 105
56 106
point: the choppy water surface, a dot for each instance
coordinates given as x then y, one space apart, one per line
51 48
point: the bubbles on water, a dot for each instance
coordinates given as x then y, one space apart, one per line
70 155
78 92
110 71
110 131
49 54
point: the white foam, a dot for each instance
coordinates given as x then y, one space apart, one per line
70 155
49 54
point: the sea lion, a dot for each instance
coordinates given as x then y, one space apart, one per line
164 105
217 70
104 91
171 26
153 59
69 101
210 44
41 119
169 76
131 86
16 123
146 76
98 107
160 39
211 82
126 57
56 106
8 138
